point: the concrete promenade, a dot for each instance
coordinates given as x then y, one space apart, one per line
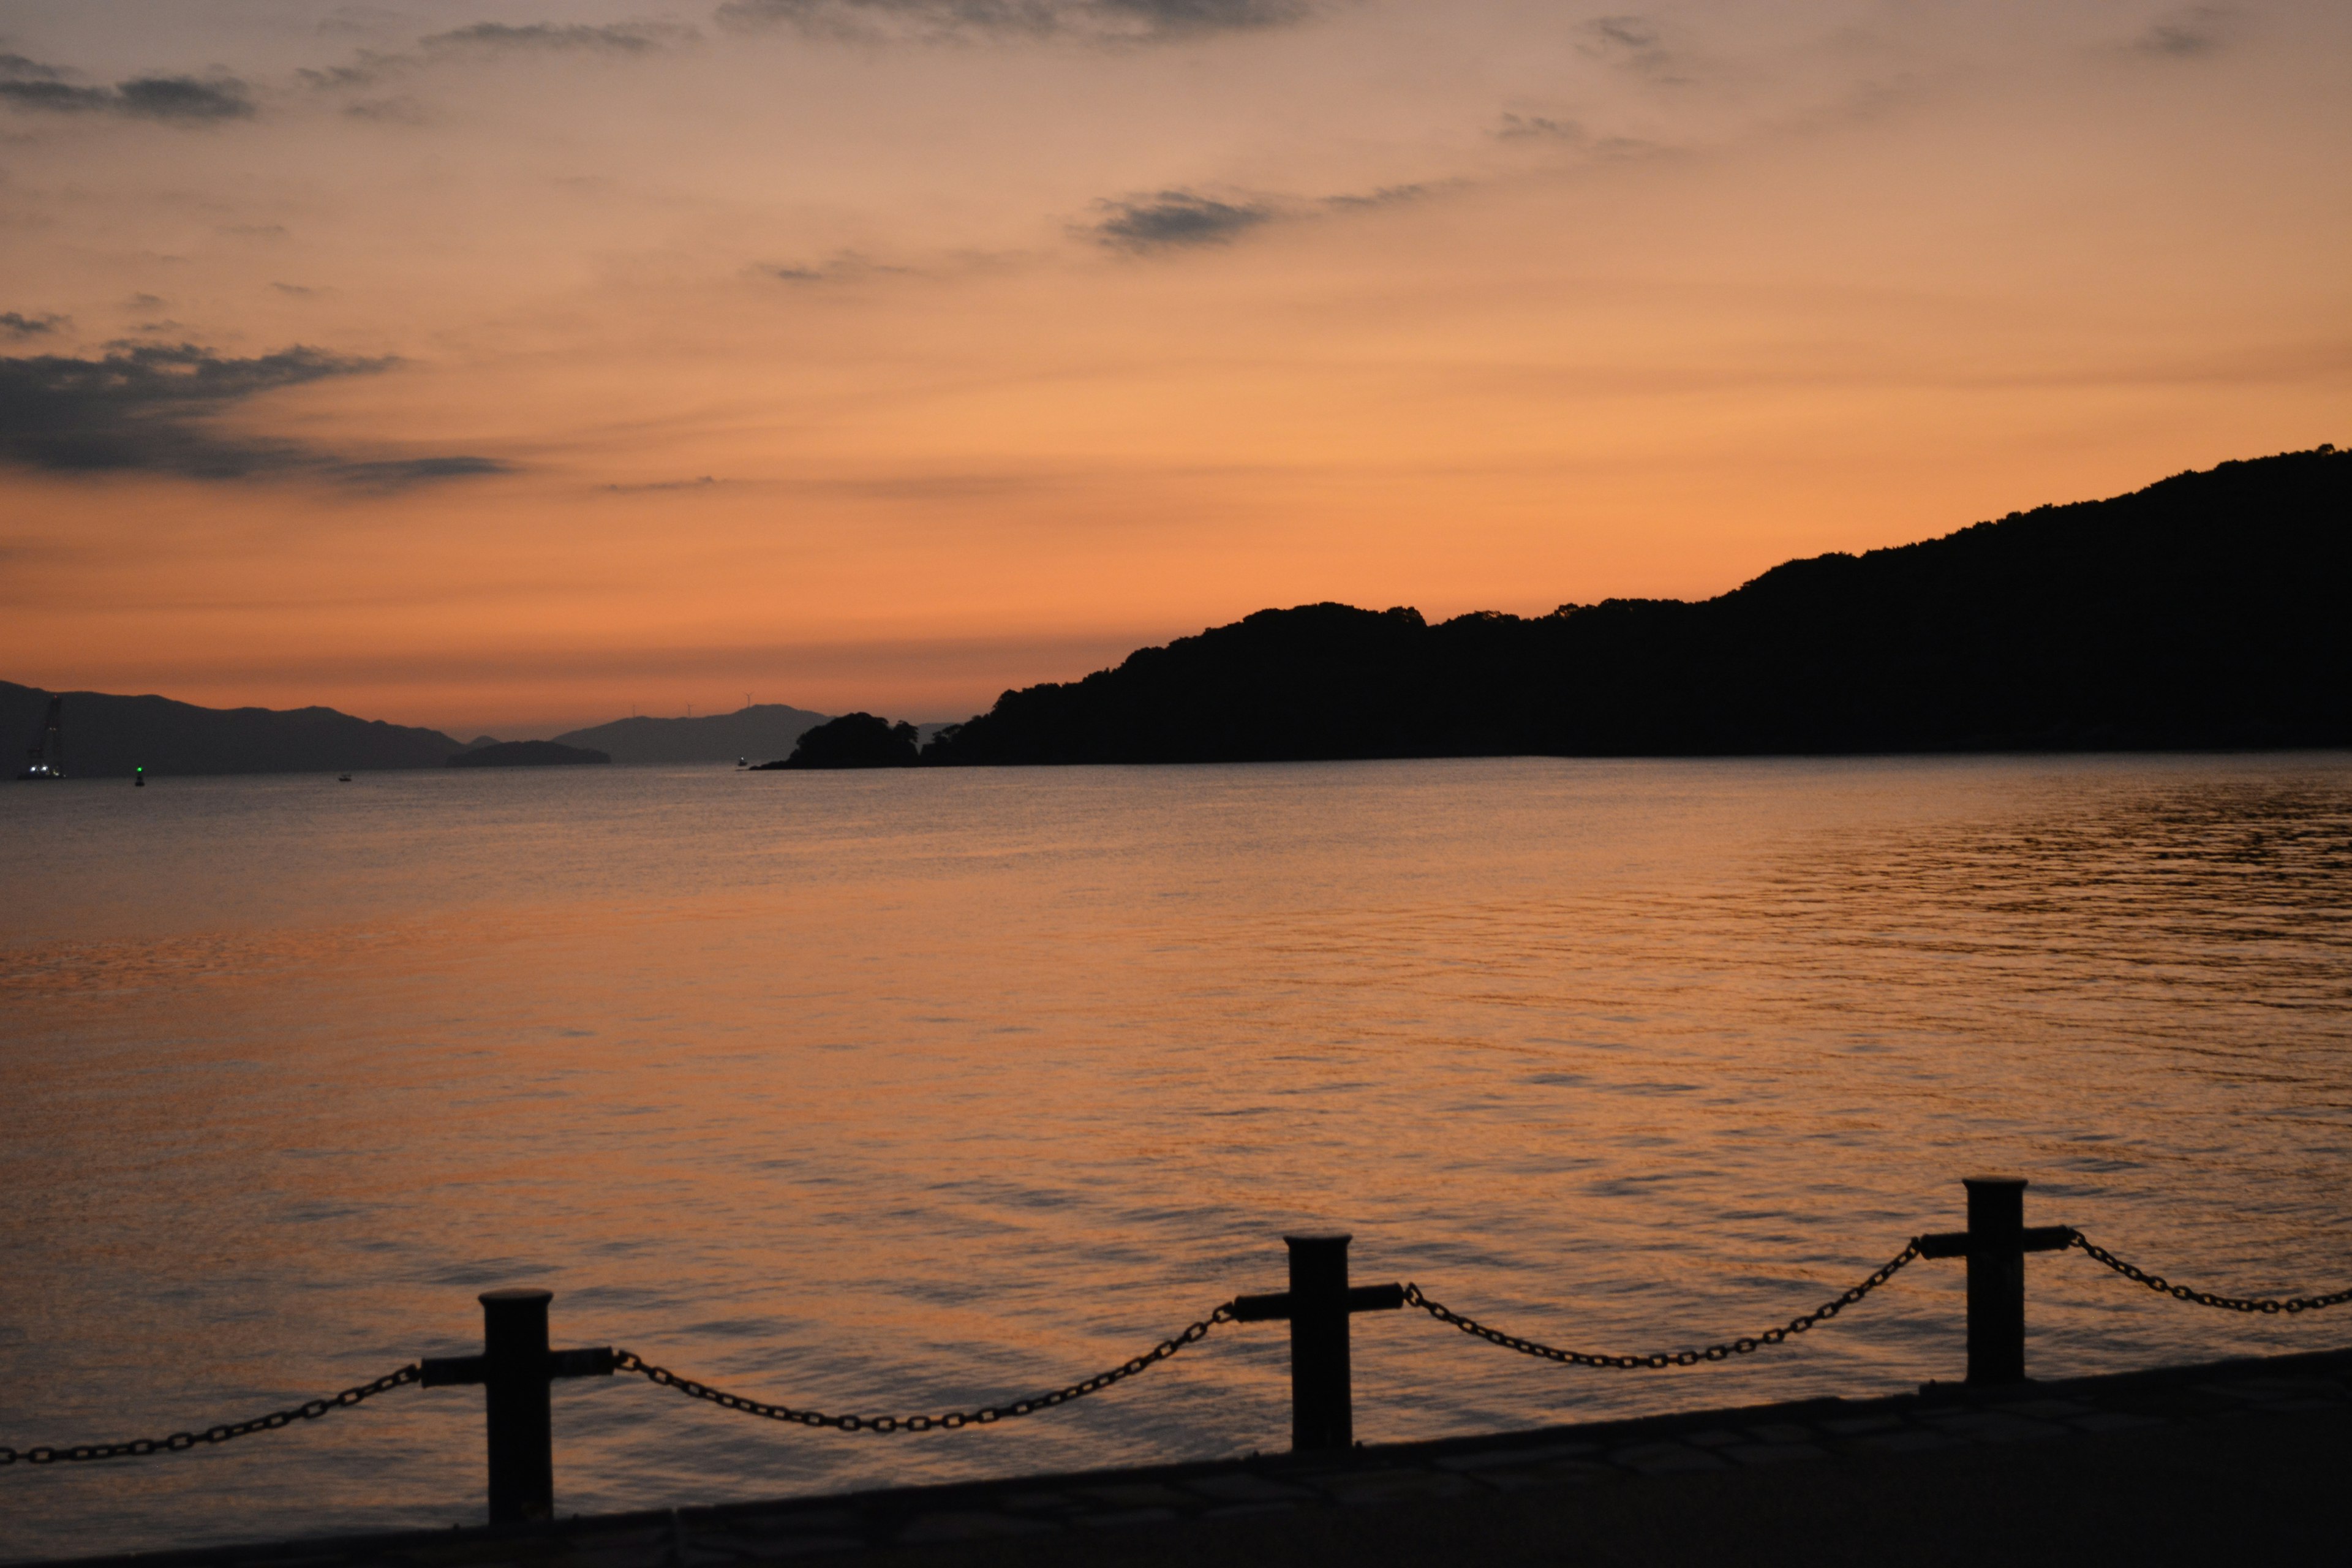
2226 1463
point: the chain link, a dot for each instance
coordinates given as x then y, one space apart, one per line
2206 1297
629 1361
180 1442
1724 1352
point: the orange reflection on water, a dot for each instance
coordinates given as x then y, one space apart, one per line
905 1092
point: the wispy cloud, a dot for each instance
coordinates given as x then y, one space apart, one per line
28 84
845 267
656 486
2184 34
18 325
1633 42
155 409
1141 20
482 40
1533 127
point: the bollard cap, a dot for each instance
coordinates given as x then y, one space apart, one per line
516 1294
1319 1238
1993 1181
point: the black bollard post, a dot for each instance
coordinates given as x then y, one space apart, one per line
1996 1278
1322 1409
515 1366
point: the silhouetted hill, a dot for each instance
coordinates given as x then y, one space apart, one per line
2204 611
107 736
852 740
525 754
764 730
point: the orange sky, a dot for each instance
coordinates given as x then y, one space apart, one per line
1009 336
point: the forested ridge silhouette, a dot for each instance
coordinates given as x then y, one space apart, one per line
2205 611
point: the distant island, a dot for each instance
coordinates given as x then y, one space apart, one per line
2207 611
855 741
763 729
526 754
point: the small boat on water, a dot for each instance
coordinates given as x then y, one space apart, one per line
46 757
343 778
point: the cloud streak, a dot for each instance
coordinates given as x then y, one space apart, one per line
154 409
1099 20
484 40
2185 35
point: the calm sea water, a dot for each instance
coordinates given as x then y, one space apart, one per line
892 1093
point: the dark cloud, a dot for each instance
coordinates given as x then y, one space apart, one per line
1102 19
155 409
1174 218
2201 30
173 99
17 324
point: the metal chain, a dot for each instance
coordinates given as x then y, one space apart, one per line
2206 1297
1723 1352
180 1442
628 1361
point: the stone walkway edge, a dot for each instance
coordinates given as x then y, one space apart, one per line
1940 1415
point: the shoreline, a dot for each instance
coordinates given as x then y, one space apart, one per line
2172 1460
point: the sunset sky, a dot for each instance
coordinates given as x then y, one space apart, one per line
507 366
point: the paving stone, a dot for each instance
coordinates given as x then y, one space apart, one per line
2281 1388
1243 1510
2113 1421
1772 1453
1138 1495
1781 1432
784 1521
1665 1458
1715 1437
1127 1516
935 1527
1243 1487
1381 1486
1565 1473
1854 1425
1992 1426
1906 1440
1490 1458
1038 1502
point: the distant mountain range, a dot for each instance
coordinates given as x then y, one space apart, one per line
108 736
2205 611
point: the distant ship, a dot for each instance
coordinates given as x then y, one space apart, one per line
46 757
